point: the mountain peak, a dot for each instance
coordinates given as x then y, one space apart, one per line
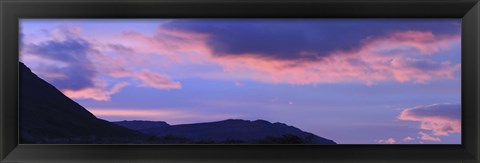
262 121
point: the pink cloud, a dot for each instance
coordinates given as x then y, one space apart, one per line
408 139
372 62
134 112
387 141
157 80
424 42
120 73
425 136
63 32
178 46
170 115
441 119
107 58
98 94
394 57
53 75
238 84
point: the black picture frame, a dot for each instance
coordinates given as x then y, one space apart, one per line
12 10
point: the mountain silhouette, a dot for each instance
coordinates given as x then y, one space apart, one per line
48 116
232 130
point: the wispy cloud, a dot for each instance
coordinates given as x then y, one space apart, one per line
169 115
157 80
386 141
441 119
425 136
408 139
95 93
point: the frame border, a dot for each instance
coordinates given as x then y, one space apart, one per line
12 10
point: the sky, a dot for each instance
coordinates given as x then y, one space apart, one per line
355 81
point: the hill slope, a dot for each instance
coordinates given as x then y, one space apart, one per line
48 116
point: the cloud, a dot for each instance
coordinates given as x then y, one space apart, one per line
95 93
238 84
169 115
173 45
67 58
387 141
83 69
369 63
425 136
134 112
287 39
157 80
408 139
441 119
66 62
120 72
53 75
397 56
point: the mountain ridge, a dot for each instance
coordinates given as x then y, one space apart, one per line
238 130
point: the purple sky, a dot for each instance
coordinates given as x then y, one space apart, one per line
355 81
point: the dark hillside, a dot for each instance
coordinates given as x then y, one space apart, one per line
48 116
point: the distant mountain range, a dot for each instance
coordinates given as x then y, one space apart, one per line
229 131
47 116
